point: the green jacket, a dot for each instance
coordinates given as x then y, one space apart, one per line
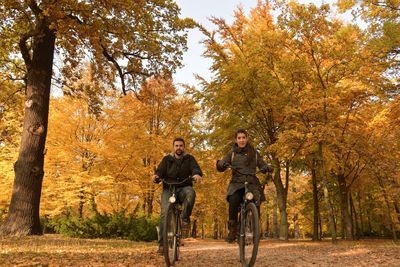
237 158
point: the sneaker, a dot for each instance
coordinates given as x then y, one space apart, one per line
160 249
185 229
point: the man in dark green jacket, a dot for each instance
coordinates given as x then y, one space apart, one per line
176 167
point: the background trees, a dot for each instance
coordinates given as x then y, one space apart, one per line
320 98
131 41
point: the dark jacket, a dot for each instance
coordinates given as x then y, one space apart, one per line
174 170
237 158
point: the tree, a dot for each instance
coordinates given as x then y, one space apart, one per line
147 36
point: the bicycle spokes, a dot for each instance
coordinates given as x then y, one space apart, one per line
170 237
249 236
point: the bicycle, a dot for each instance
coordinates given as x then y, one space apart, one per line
172 224
249 231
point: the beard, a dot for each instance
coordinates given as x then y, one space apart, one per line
179 152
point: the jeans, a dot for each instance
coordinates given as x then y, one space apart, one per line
186 196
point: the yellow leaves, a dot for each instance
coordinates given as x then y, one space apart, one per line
344 5
109 155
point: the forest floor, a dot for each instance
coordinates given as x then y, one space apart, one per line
54 250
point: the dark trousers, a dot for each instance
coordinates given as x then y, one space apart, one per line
186 196
234 203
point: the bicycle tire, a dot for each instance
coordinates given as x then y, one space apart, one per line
179 234
249 237
170 235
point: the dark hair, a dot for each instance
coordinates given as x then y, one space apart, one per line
243 131
251 152
178 139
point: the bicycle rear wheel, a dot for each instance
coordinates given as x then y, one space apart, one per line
249 235
170 236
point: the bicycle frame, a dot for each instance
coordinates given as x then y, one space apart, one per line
172 242
251 238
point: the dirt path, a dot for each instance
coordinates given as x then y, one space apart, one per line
59 251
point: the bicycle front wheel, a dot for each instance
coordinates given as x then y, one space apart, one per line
249 235
170 236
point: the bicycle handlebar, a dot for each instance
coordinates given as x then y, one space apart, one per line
174 183
247 174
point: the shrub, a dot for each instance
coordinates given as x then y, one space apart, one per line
115 225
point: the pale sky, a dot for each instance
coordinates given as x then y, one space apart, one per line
200 11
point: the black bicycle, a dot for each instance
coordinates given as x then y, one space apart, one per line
172 224
249 233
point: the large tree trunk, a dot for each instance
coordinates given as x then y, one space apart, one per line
344 201
23 215
326 193
315 203
275 233
355 225
281 192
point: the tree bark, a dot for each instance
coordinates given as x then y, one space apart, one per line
281 192
356 233
389 214
315 202
275 233
326 193
344 201
194 229
23 215
360 212
215 228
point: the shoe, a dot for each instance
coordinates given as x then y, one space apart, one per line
185 227
160 249
233 231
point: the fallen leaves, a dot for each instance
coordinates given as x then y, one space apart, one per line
55 250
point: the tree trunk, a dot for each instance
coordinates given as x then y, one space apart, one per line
360 212
326 193
354 212
267 230
281 192
194 229
275 233
315 202
150 200
23 215
396 208
320 226
215 228
369 216
389 214
81 196
344 201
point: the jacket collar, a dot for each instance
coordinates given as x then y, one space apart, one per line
237 149
184 155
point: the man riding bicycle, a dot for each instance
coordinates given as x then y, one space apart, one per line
176 167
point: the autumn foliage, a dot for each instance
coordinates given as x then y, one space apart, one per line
319 96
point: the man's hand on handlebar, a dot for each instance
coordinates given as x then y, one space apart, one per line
156 179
